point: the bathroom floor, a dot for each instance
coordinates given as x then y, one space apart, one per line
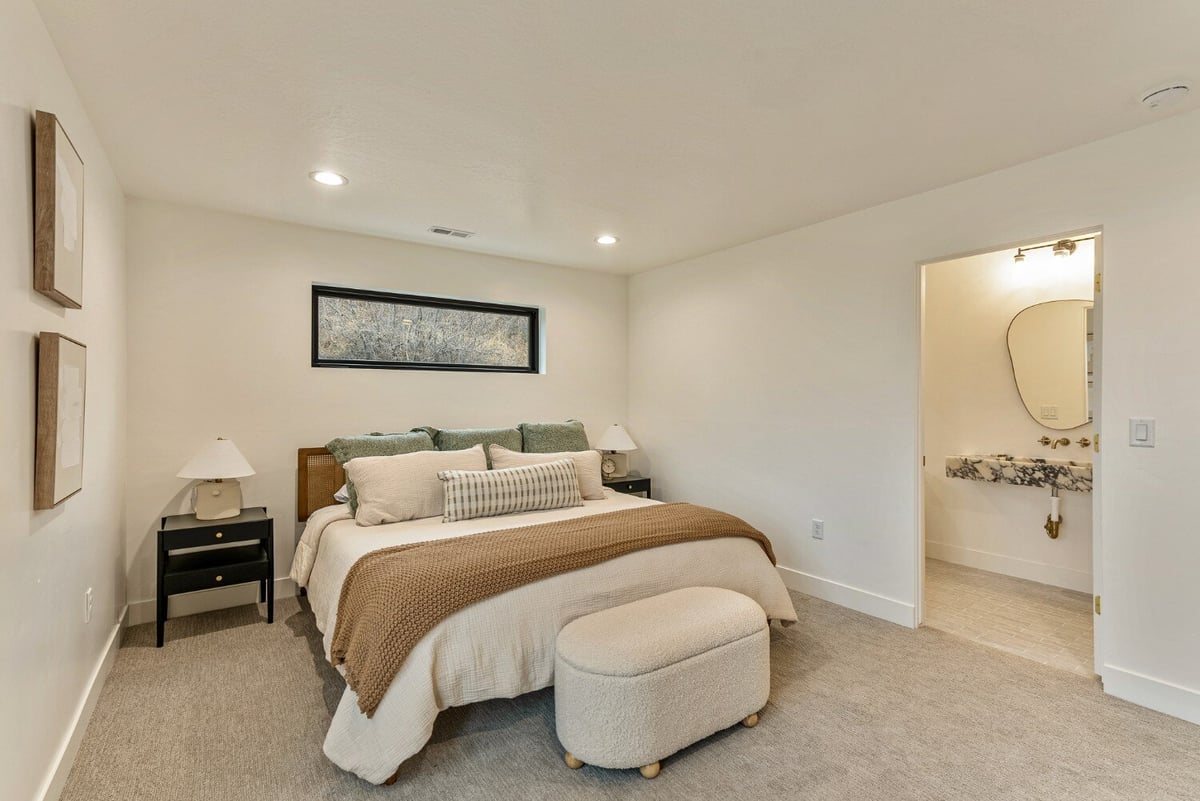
1039 622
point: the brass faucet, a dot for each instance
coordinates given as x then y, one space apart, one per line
1084 442
1054 443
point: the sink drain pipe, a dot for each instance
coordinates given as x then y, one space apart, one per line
1054 519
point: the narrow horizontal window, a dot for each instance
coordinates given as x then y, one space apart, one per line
366 328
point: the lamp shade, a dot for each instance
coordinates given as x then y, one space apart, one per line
615 438
218 459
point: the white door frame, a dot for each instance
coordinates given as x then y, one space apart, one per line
1098 324
1098 637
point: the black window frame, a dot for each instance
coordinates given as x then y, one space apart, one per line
531 313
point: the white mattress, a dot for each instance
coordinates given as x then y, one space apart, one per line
504 646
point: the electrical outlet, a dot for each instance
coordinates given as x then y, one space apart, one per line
88 603
818 529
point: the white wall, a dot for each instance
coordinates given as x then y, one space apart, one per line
49 558
972 406
779 380
219 344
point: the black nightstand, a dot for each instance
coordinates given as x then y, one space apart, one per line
246 553
631 484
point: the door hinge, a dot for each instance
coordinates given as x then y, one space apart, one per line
922 461
1097 604
1096 443
1099 281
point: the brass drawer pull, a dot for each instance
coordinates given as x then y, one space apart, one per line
219 535
220 577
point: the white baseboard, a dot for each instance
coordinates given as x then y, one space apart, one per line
56 779
1040 572
859 600
192 603
1170 699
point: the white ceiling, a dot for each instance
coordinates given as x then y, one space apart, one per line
682 126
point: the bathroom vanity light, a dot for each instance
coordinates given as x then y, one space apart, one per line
1061 248
1064 247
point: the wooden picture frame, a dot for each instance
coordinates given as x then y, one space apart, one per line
61 402
57 213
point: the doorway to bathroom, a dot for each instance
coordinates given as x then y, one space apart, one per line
1009 420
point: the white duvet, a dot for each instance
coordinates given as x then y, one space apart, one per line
504 646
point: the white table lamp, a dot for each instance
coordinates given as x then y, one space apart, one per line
218 465
615 439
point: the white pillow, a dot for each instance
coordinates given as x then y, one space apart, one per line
587 466
530 488
342 495
406 487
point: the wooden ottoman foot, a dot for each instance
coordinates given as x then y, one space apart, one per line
750 721
650 771
572 762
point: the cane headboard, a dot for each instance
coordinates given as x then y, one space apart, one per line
318 476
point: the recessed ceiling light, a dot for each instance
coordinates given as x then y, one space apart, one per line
606 239
329 178
1166 95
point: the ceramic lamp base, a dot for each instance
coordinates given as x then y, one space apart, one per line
218 500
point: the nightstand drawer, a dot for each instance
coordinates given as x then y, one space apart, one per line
219 567
629 485
215 534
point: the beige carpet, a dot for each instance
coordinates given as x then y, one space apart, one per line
235 710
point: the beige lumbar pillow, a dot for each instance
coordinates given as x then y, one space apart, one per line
406 487
529 488
587 466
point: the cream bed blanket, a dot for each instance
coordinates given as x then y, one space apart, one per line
504 646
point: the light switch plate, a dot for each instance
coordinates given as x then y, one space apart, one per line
1141 432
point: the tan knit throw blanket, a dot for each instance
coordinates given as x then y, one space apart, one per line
393 597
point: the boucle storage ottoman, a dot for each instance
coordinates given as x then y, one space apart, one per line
638 682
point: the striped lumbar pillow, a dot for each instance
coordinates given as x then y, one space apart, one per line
486 493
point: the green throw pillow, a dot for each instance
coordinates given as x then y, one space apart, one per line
457 439
554 437
346 448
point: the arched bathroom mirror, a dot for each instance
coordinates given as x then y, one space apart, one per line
1049 345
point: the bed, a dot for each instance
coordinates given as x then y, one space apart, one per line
498 648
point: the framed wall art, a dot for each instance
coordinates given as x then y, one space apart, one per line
58 213
371 328
58 451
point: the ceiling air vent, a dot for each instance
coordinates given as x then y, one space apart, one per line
454 232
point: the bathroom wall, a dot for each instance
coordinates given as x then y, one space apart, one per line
971 405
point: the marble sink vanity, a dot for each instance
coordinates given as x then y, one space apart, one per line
1025 471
